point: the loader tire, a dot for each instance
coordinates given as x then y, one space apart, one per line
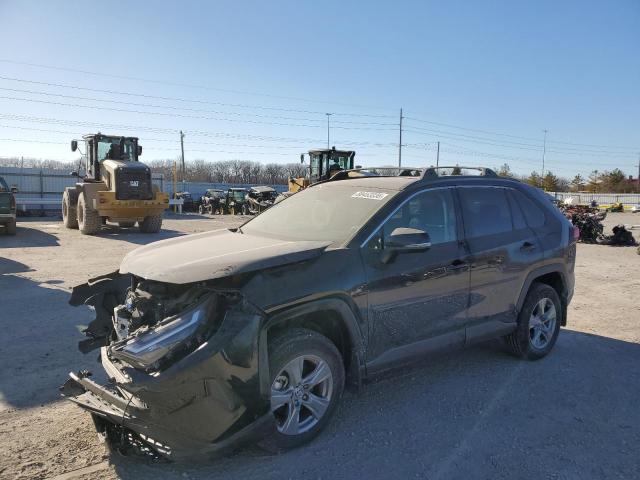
11 227
89 221
151 224
70 209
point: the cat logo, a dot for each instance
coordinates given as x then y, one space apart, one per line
134 183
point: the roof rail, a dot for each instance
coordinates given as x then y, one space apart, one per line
374 172
432 172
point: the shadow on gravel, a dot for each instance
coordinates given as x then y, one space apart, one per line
134 235
28 237
38 343
479 413
11 266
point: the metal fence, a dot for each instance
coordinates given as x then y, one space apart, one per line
49 183
583 198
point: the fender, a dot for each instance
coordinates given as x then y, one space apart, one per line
538 272
357 372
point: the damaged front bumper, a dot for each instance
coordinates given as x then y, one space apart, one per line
211 400
130 428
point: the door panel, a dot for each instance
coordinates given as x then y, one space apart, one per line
418 301
500 255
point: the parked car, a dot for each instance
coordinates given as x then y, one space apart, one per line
252 333
635 208
211 201
7 207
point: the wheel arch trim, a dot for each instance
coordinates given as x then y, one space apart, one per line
345 315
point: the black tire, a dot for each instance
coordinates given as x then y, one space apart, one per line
151 224
69 209
126 224
89 221
200 209
11 227
209 209
520 343
284 348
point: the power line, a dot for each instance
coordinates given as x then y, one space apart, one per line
178 84
508 144
188 100
516 136
54 121
199 117
74 97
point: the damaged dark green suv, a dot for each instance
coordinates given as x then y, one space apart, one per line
218 338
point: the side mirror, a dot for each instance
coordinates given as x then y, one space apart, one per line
302 158
74 145
405 240
139 150
14 189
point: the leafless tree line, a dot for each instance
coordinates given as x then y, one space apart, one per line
228 171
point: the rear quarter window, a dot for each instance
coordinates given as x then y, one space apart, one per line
533 214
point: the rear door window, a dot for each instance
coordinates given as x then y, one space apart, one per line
485 211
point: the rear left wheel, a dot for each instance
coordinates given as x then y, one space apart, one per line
307 381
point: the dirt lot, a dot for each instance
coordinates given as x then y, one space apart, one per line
473 414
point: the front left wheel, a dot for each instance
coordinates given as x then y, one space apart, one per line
307 381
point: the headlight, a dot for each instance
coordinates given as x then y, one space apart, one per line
180 333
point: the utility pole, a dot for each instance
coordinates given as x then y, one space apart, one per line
400 142
328 115
544 151
438 155
638 173
182 158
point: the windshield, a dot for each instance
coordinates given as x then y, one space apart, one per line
324 212
238 195
111 148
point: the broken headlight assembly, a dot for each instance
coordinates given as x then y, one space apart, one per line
170 339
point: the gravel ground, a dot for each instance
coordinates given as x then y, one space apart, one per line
478 413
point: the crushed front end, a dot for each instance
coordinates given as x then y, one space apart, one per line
182 362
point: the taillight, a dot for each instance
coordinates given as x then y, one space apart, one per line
12 202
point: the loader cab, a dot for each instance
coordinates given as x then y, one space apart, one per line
99 148
323 164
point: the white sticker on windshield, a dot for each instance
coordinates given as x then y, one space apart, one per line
370 195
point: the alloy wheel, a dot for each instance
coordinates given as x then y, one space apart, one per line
542 323
301 394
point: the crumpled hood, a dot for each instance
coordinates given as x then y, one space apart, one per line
216 254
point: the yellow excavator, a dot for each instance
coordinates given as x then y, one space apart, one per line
323 164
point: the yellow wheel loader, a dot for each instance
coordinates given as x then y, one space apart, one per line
115 187
323 164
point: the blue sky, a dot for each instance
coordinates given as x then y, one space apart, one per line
483 78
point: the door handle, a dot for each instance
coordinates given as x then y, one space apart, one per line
527 247
458 264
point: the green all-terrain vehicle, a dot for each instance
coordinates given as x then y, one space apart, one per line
7 207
